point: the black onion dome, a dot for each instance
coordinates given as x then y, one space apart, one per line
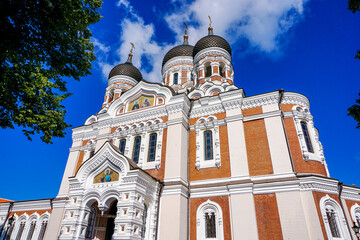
181 50
211 41
126 69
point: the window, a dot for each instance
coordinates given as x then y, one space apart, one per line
20 231
332 222
176 76
209 221
208 71
91 222
208 145
122 145
355 214
31 230
307 137
143 228
210 227
221 71
136 150
152 147
42 230
9 232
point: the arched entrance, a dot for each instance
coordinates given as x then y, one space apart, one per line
110 221
101 226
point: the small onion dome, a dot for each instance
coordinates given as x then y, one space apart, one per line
211 40
182 50
127 69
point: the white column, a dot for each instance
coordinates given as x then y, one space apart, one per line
311 215
292 217
279 152
237 146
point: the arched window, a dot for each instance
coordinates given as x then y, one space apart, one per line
176 78
91 223
307 137
152 147
334 220
209 221
208 70
221 71
355 214
136 149
31 230
210 225
208 145
20 231
9 231
144 217
42 229
122 145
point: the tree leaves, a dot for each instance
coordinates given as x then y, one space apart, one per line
354 111
42 42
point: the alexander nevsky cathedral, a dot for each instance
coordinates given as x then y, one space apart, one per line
191 158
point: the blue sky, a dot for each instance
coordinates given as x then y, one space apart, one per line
298 45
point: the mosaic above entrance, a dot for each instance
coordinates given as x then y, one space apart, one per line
141 102
108 175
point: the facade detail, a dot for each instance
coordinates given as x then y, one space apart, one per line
191 158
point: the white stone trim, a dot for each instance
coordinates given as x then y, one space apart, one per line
202 125
302 115
327 202
212 51
355 213
209 206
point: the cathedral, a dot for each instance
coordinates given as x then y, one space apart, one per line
192 158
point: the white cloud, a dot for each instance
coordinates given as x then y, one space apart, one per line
263 23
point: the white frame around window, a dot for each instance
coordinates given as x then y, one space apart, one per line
209 206
327 202
173 78
202 125
355 213
143 129
302 115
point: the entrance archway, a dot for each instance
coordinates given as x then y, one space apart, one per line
110 226
101 226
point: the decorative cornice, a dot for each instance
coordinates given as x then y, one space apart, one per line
260 100
123 79
295 98
209 110
177 61
212 51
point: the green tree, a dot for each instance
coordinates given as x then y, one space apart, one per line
43 42
354 6
354 110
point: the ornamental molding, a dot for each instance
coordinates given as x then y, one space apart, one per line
319 184
93 133
122 79
180 60
260 100
210 52
230 105
209 110
351 193
295 98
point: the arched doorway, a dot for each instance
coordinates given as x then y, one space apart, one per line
111 221
101 226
